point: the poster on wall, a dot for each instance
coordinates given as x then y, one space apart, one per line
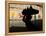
24 17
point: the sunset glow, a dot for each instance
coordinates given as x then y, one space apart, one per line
14 14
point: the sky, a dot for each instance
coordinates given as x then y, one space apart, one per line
17 9
16 12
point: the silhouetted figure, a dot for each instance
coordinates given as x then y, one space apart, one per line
27 17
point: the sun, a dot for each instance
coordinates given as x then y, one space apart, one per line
14 14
